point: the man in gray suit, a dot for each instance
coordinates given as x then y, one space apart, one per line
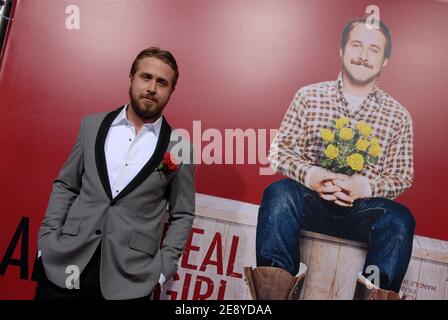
106 209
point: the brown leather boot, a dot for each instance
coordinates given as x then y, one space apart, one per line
270 283
365 290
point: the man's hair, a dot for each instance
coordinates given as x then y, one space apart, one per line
382 28
162 55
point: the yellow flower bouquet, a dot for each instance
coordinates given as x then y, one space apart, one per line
349 150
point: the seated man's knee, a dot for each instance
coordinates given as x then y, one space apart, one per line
400 218
282 190
281 197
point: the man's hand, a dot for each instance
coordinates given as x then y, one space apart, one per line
321 181
331 192
356 186
318 178
339 188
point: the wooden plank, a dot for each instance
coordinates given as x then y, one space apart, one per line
444 245
416 244
227 205
446 289
350 262
432 280
424 248
225 216
432 274
409 285
197 240
321 236
245 256
322 266
430 244
223 277
306 245
430 255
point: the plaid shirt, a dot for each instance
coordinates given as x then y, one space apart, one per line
298 145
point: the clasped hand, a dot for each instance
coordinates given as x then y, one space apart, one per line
339 188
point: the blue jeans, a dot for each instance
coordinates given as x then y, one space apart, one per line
288 207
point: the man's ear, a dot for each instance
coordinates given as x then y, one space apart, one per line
130 78
385 62
340 52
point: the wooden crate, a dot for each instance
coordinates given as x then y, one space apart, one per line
333 264
223 243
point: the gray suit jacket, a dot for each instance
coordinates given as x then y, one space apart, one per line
82 214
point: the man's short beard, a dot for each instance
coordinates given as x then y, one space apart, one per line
142 114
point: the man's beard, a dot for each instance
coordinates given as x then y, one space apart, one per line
146 114
357 81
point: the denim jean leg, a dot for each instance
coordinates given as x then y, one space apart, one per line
278 230
280 220
390 244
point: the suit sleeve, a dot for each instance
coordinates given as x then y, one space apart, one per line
181 198
66 189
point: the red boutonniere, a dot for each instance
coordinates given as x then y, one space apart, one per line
167 165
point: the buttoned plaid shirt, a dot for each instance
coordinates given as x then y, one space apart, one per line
298 146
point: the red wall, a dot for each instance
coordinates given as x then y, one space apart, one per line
240 63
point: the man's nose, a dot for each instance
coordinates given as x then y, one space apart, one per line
151 88
363 55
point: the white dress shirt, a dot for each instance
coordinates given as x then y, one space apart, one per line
127 153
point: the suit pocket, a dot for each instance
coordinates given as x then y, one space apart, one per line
140 242
71 227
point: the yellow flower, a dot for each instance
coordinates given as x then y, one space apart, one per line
374 150
327 135
356 161
362 144
341 122
374 141
346 134
331 152
364 128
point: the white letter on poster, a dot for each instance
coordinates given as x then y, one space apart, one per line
373 20
73 21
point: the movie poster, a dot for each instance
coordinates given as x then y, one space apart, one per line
241 67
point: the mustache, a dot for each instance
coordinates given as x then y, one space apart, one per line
361 62
149 96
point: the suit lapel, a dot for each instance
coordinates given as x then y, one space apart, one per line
148 168
100 156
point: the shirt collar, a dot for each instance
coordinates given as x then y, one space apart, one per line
123 119
155 126
376 92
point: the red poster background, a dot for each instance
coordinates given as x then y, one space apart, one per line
240 64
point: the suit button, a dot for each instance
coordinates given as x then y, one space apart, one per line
98 232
